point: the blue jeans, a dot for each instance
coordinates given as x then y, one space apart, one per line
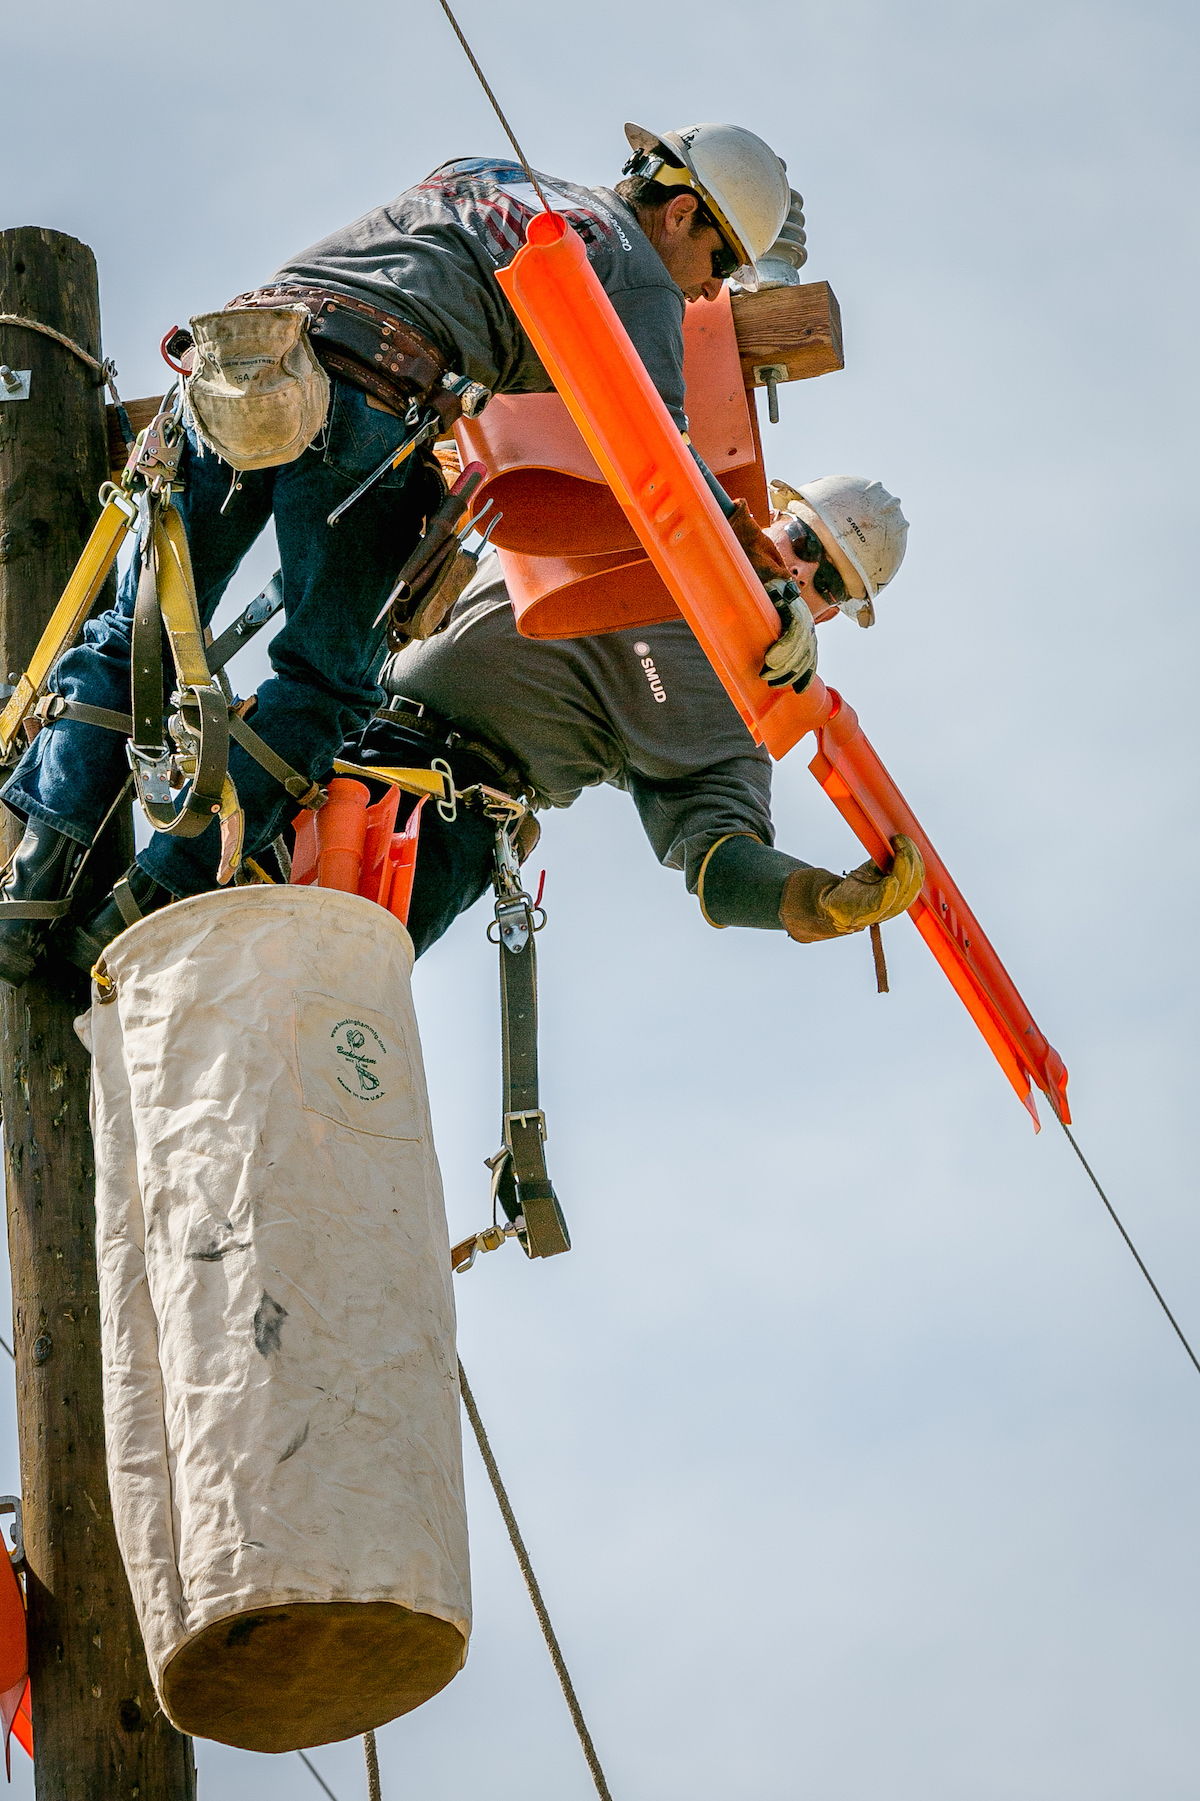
325 660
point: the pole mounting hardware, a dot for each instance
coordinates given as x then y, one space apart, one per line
12 1504
14 383
770 375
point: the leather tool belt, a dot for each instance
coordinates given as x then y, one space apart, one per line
366 346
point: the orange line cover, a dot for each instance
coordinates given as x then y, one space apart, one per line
593 364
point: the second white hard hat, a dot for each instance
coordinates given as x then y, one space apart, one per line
740 179
862 528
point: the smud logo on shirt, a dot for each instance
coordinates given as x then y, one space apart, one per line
362 1051
642 651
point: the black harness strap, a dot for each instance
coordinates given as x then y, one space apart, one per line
54 706
146 670
523 1185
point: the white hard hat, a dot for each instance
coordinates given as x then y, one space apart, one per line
862 528
740 179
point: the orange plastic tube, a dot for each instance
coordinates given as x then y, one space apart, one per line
404 864
340 830
863 792
591 360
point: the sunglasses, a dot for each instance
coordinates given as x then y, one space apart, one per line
725 260
809 549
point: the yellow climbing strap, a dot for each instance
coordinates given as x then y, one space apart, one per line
118 517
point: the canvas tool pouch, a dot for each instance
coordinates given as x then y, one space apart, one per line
256 391
281 1399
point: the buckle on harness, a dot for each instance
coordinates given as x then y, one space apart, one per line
514 924
152 774
533 1114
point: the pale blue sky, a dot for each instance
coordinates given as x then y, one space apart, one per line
857 1461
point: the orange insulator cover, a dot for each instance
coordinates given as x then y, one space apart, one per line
572 561
545 480
593 364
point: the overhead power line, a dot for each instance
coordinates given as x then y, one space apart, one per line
531 1583
508 130
1133 1248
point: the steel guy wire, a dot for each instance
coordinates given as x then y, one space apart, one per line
314 1772
531 1583
1133 1248
508 130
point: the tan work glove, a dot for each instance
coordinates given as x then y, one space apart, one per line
817 904
765 560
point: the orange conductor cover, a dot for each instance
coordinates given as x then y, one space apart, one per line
589 357
871 804
594 366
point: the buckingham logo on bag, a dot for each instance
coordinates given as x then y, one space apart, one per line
363 1052
358 1068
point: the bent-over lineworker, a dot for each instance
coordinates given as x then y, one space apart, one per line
643 710
403 310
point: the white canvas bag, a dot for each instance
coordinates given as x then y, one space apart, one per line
280 1377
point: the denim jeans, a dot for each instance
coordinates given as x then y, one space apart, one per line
325 660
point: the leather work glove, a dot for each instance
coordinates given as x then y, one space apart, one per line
765 560
792 660
817 904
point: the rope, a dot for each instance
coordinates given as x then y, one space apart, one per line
1124 1234
313 1771
531 1583
107 370
372 1756
60 337
508 130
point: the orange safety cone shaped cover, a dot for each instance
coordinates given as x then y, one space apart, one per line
593 364
404 863
572 563
18 1721
14 1657
22 1727
375 876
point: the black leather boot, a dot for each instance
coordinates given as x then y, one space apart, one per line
36 882
131 898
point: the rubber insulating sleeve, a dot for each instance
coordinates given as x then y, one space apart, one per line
744 882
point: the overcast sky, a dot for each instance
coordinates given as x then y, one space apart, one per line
856 1458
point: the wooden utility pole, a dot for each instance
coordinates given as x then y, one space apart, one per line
99 1734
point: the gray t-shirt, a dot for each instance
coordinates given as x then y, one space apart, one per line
431 257
641 709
